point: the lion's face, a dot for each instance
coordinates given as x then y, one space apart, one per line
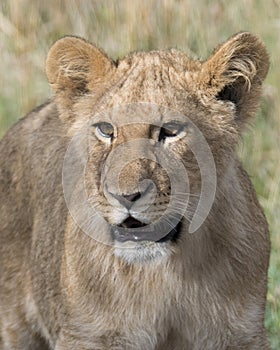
152 123
129 173
143 175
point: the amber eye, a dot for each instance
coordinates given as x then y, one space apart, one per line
170 129
105 129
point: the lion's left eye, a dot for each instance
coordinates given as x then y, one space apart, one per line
105 129
170 129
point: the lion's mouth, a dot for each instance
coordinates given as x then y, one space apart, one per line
132 229
131 222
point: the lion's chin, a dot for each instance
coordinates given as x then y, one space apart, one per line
142 252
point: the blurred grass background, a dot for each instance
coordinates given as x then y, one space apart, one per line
28 28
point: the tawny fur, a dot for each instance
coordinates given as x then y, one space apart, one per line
60 289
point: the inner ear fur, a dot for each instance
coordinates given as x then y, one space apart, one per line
75 66
235 72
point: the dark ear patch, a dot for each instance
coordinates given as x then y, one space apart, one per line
228 93
233 93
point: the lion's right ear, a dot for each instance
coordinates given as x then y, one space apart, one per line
74 66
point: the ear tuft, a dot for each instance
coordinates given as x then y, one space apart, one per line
75 65
235 72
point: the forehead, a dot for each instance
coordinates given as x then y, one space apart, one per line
139 113
159 77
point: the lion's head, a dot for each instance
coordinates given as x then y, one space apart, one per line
149 125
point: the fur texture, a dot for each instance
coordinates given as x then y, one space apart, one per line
60 289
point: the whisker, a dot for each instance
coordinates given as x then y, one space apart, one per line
185 193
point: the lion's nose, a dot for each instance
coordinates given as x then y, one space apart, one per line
132 197
144 193
127 200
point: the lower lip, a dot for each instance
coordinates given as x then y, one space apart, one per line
145 233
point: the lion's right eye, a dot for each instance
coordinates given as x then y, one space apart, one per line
105 129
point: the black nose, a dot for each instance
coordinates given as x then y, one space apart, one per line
127 200
132 197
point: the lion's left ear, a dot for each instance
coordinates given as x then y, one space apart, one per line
235 72
74 66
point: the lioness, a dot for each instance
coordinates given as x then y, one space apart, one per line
118 229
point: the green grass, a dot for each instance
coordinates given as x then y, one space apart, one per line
27 29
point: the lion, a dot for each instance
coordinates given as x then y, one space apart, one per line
127 220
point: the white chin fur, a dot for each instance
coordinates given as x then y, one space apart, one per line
142 252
